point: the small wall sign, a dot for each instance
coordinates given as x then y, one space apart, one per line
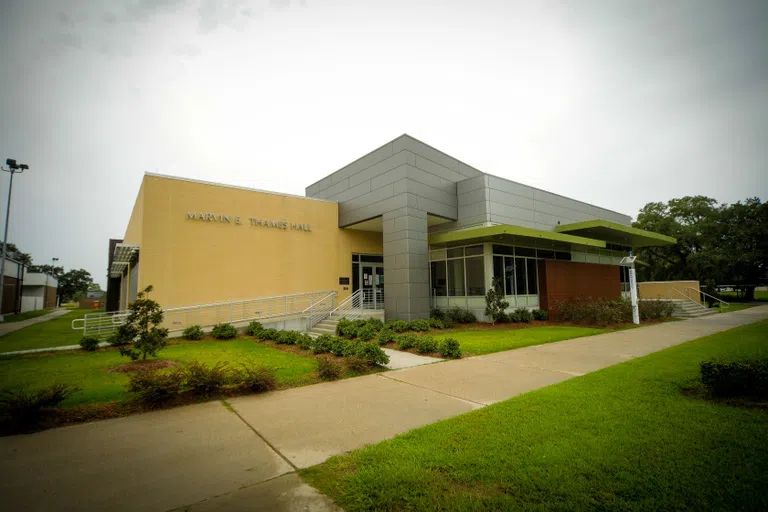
344 280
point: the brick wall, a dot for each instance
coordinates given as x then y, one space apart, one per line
567 280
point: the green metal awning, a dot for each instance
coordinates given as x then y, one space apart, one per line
504 231
616 233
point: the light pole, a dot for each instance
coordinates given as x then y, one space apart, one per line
45 293
12 168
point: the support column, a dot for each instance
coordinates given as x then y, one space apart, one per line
406 264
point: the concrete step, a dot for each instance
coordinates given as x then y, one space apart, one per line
327 324
323 330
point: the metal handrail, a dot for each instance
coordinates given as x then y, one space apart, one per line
278 306
319 314
318 302
688 298
708 295
348 304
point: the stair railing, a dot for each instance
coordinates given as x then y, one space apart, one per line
689 299
351 307
723 304
320 310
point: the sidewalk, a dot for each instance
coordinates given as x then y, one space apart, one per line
243 455
6 327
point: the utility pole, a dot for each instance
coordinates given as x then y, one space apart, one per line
12 168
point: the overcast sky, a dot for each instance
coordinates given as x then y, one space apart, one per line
617 103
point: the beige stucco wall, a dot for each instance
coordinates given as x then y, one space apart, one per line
665 290
192 261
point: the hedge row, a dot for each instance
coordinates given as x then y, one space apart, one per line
586 311
453 315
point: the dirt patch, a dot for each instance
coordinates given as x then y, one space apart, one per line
140 366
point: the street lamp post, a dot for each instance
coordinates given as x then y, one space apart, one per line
45 292
12 168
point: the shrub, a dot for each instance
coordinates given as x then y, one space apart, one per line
376 323
426 344
89 343
523 315
397 325
406 341
437 313
449 348
434 323
540 314
418 325
328 369
323 344
367 332
193 332
357 364
305 341
747 377
142 326
254 329
154 387
468 317
448 323
585 311
344 328
24 406
386 335
255 377
372 353
340 347
224 331
504 318
495 305
117 340
288 337
655 309
206 379
269 334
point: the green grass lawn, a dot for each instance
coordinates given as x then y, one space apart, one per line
88 370
26 315
759 295
486 341
737 307
51 333
623 438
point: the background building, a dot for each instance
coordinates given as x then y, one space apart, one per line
39 291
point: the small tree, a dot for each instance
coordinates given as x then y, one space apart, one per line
143 326
495 305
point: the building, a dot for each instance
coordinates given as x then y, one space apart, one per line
12 287
405 218
39 291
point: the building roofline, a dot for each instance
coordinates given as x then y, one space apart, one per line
226 185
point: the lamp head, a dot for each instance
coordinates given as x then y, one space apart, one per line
23 167
10 162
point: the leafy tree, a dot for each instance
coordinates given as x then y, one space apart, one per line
15 254
716 243
143 327
495 305
73 282
94 287
56 272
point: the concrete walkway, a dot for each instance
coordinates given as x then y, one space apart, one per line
399 359
6 327
243 455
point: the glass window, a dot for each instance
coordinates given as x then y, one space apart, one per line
475 276
520 276
503 249
498 268
509 276
562 255
355 276
474 250
355 257
455 277
533 282
547 255
371 258
525 251
437 271
456 252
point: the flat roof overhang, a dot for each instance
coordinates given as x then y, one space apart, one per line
506 233
616 233
122 257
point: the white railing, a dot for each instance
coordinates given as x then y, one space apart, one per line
723 305
101 325
320 310
362 300
689 298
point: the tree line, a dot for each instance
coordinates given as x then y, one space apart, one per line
717 243
72 284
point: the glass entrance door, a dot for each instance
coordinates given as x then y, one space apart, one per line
372 283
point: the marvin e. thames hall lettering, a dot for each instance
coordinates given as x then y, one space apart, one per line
235 219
